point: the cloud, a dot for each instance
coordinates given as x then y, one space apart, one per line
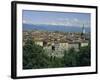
61 21
27 21
77 22
24 21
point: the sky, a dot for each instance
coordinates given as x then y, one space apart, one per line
56 18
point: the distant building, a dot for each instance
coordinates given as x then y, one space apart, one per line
40 43
83 33
63 46
74 45
84 44
83 29
57 49
54 44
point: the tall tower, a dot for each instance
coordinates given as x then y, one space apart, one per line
83 32
83 29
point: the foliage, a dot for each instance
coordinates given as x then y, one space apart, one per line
70 58
34 57
80 58
84 56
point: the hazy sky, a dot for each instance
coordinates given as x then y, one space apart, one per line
56 18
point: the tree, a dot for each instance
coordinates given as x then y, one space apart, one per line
84 56
56 62
70 58
77 58
33 56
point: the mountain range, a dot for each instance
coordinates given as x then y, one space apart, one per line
54 28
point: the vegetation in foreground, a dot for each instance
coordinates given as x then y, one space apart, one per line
34 57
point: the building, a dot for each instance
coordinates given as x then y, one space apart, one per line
84 44
83 29
40 43
75 45
55 43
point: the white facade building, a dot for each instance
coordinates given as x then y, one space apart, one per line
40 43
84 44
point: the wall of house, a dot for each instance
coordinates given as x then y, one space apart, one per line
64 46
73 45
84 44
40 43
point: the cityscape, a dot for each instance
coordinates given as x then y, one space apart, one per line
54 43
51 45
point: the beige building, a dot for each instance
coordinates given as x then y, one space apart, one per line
63 46
57 49
84 44
74 45
40 43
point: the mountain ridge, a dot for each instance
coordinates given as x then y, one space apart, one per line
54 28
